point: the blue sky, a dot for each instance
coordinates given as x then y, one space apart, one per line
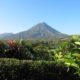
20 15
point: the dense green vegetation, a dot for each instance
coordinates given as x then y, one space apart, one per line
12 69
40 59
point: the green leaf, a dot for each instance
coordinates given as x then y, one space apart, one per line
77 43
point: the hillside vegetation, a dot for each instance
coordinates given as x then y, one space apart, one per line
40 60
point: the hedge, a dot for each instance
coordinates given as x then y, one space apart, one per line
13 69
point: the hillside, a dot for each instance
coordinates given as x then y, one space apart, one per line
5 34
39 31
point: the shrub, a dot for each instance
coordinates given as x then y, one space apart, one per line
12 69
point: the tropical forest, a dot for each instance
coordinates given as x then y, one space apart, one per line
40 59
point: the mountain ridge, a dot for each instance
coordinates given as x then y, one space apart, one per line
38 31
2 35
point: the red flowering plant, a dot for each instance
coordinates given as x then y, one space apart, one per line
11 43
13 48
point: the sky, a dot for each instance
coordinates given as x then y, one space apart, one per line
20 15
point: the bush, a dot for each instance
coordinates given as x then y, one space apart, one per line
12 69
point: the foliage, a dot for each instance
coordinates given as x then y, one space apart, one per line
12 69
39 60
